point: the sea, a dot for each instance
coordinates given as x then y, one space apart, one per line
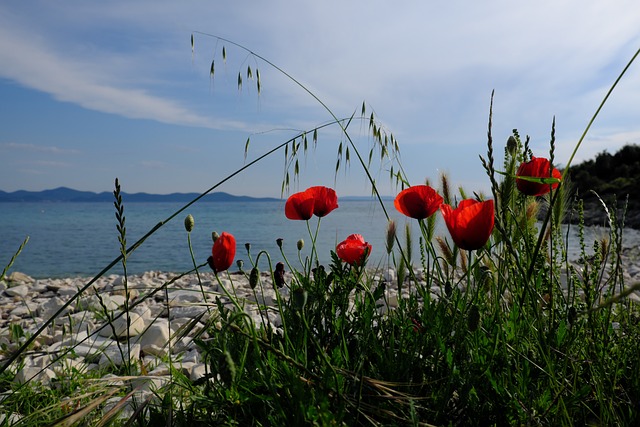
68 239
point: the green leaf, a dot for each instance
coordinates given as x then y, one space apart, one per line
249 72
364 110
246 149
224 54
239 81
539 180
211 71
258 81
315 137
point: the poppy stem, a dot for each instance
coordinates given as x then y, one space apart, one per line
313 237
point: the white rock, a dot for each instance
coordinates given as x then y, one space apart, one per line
51 306
160 370
189 312
34 373
19 277
198 371
119 326
155 339
17 291
115 356
11 419
192 356
25 309
390 275
67 291
184 296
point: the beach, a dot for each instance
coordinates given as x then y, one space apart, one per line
165 313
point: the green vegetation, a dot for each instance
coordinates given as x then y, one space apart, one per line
613 177
504 332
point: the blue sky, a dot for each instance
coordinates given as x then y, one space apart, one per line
91 91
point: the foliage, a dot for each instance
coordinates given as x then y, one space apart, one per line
613 178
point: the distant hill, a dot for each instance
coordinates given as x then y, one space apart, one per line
612 177
64 194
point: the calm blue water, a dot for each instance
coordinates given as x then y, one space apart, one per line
80 239
72 239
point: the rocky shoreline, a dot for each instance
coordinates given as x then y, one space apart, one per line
163 320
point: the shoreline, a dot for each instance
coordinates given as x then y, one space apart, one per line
629 253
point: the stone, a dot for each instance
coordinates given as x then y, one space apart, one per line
183 296
17 291
51 306
18 277
198 371
34 373
118 328
116 356
155 339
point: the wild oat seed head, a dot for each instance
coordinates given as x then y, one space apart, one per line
391 235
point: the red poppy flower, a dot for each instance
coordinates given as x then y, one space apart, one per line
223 252
470 224
299 206
538 167
325 198
353 250
419 201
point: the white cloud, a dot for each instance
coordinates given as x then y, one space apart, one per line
14 146
90 76
426 68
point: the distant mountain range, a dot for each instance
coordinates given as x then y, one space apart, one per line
64 194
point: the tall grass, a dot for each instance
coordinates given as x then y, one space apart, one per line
509 334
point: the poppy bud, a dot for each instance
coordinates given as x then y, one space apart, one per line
512 145
572 315
473 320
448 289
214 236
278 275
279 242
253 277
300 244
247 246
299 298
239 264
189 223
